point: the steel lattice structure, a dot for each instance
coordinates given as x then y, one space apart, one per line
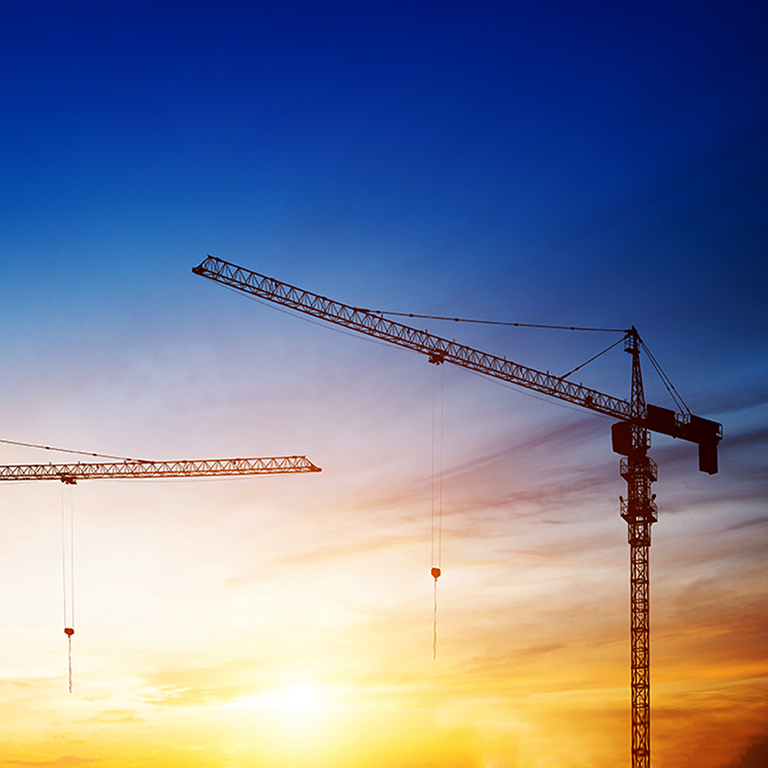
640 512
630 437
438 349
124 470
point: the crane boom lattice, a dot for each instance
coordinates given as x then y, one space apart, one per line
124 470
439 349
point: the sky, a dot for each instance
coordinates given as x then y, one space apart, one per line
596 164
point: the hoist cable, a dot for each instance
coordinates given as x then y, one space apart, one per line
440 474
69 660
437 495
434 625
72 557
437 468
64 557
68 537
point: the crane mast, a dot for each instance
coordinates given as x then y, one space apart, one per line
630 436
640 512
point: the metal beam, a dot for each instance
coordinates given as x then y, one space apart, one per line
438 349
125 470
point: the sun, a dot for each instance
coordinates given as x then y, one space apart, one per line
298 697
292 698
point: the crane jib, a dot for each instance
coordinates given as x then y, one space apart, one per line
123 470
687 427
373 324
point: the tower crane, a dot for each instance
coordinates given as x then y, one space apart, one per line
630 435
69 474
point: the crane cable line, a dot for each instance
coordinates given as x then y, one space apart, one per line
71 450
676 397
387 313
297 313
496 322
68 585
592 359
437 491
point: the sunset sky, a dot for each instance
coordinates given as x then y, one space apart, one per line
581 164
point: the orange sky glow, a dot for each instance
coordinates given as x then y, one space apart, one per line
552 173
288 620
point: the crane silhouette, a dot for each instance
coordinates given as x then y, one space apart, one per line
69 474
630 436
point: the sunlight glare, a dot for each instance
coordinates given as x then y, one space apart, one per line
292 698
300 697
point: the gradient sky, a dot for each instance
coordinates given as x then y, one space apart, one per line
595 164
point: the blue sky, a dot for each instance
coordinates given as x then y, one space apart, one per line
617 151
596 164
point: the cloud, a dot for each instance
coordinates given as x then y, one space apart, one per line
209 685
119 716
751 523
193 696
747 438
755 757
735 400
68 761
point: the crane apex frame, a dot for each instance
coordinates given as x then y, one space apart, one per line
630 437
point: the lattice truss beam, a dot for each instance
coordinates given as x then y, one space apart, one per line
705 433
124 470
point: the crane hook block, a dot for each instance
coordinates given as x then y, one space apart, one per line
68 631
435 573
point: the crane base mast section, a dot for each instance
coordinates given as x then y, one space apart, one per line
640 512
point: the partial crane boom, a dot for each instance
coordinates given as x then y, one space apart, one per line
438 349
705 433
69 474
122 470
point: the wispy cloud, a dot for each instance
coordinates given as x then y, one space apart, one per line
750 523
67 761
756 756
